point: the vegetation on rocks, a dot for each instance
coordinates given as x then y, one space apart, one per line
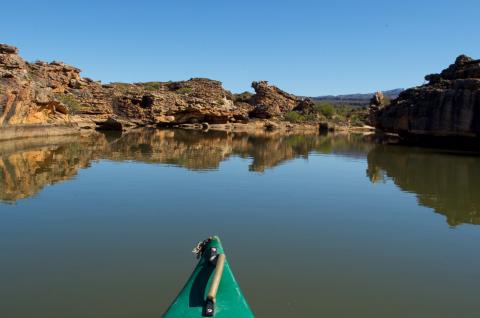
120 85
184 90
70 102
295 117
325 109
152 86
345 115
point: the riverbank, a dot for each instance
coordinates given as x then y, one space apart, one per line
40 98
29 131
255 126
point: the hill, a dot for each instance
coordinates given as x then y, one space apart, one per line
356 100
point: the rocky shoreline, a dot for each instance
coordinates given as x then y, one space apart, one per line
444 111
48 99
43 98
27 131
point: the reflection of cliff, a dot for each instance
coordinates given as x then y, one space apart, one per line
26 166
268 151
190 149
448 183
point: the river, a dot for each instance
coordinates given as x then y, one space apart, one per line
102 226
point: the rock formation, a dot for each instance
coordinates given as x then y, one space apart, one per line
35 97
378 99
271 102
26 97
448 106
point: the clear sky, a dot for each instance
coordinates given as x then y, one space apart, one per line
305 47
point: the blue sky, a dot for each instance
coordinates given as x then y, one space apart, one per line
304 47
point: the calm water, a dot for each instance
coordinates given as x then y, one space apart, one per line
314 226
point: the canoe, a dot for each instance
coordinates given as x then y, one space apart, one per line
211 290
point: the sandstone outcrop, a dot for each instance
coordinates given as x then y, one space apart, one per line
26 99
54 94
271 102
194 101
448 106
378 99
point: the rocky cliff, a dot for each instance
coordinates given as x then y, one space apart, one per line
27 91
447 106
36 97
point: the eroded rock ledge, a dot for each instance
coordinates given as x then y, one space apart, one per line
447 108
54 95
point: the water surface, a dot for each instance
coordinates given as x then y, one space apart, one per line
314 226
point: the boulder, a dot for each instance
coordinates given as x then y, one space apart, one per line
270 126
115 123
8 49
305 106
271 102
11 64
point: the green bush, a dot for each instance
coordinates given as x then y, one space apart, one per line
325 109
294 117
70 102
152 86
184 90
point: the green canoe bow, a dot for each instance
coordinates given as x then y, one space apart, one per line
192 300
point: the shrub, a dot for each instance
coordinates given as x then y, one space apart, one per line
184 90
326 109
152 86
70 102
343 110
294 117
310 117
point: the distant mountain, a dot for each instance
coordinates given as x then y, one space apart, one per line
358 100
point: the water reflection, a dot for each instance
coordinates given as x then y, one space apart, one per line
447 182
26 166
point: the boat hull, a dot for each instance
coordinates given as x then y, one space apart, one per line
191 301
